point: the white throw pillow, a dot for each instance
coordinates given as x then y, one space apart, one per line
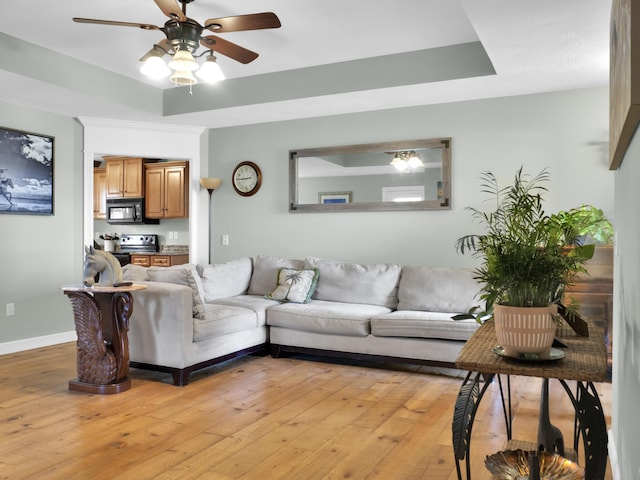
265 273
182 275
223 280
356 283
295 286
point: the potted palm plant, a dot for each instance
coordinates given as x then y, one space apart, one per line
525 266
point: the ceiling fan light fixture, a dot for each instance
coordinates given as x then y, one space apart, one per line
210 71
155 67
183 78
183 61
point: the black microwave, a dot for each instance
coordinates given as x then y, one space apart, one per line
127 211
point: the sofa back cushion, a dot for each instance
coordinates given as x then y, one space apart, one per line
265 273
223 280
438 289
182 275
356 283
134 273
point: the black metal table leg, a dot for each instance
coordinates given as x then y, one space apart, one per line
591 424
467 403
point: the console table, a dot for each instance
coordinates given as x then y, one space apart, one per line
585 362
101 316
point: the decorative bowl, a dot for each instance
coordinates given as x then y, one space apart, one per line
514 465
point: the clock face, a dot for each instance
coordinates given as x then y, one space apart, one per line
247 178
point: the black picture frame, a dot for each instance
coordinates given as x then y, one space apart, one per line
26 172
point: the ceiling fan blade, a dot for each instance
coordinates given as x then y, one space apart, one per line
229 49
144 26
253 21
171 9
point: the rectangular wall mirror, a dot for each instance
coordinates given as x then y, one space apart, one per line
391 176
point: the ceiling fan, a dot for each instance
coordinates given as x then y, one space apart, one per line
184 36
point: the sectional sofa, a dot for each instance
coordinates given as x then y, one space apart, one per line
193 316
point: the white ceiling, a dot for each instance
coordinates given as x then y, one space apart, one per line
535 46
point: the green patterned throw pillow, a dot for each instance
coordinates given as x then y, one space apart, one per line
295 286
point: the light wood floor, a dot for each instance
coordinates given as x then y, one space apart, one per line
252 418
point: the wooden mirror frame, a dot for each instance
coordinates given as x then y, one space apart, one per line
442 203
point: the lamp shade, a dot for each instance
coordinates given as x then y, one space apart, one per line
155 67
210 183
210 71
183 61
183 77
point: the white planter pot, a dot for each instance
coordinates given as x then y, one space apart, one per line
525 329
109 246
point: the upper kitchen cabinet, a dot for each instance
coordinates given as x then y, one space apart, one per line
100 193
166 194
124 177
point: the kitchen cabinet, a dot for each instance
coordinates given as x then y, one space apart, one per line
100 193
124 177
158 260
166 194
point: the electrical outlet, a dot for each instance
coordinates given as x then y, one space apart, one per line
11 310
175 235
170 235
225 240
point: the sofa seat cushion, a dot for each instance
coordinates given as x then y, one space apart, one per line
356 283
325 317
222 319
256 303
438 289
415 324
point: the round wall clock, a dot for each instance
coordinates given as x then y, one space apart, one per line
247 178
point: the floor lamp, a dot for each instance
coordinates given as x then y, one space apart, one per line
210 184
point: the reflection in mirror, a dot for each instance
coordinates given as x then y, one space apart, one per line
392 176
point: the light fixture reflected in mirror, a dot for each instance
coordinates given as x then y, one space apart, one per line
210 184
406 161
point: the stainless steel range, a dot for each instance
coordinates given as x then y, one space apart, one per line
136 243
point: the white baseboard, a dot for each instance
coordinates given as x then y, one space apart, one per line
37 342
613 457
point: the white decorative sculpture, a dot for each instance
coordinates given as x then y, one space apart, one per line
99 261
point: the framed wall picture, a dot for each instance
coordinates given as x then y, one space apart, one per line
624 87
332 198
26 173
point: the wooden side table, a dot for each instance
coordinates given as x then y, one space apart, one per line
585 362
101 316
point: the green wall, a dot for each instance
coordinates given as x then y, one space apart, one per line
39 254
565 131
626 324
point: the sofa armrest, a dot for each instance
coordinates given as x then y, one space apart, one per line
161 324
